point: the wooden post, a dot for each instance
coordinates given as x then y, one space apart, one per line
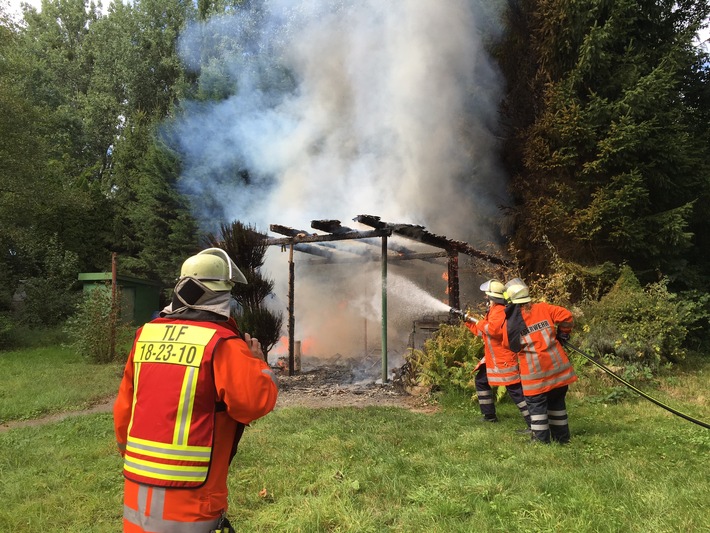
297 357
291 320
453 272
384 309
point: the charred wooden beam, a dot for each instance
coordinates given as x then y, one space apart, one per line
291 232
315 250
376 259
330 226
335 227
300 238
418 233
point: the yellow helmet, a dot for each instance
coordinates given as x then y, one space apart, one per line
517 292
493 288
214 268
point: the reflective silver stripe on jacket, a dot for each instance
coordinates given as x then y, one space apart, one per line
151 519
175 472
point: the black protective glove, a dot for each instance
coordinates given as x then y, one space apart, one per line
562 336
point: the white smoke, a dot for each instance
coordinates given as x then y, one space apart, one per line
343 108
330 109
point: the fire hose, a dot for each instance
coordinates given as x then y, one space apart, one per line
463 315
629 385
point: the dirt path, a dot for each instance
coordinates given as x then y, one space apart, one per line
324 387
104 406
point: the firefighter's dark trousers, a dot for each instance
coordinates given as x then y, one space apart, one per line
516 394
486 396
548 416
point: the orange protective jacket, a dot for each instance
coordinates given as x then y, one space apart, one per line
544 364
501 363
244 390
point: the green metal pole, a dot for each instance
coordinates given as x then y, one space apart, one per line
384 309
291 319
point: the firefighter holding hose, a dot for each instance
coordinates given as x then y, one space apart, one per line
535 332
499 366
190 386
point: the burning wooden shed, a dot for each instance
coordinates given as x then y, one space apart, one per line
375 245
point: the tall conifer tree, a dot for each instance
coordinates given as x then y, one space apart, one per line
610 158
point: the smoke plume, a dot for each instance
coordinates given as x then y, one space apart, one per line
325 109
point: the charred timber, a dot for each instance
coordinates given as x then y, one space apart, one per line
418 233
334 226
368 258
302 237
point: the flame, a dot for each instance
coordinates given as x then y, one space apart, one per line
307 345
281 347
445 277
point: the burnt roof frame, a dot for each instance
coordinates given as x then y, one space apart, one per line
300 240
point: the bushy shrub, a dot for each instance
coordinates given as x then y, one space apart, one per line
262 324
646 325
566 282
96 330
448 359
50 296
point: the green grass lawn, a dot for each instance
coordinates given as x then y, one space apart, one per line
631 467
40 381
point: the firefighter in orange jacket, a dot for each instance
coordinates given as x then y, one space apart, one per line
535 332
190 386
499 366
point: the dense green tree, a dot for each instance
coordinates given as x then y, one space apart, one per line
42 217
155 74
153 225
68 156
607 115
83 95
247 248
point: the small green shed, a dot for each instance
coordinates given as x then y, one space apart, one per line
140 298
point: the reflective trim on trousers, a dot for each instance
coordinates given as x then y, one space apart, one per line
524 411
515 392
151 519
539 423
557 413
486 402
484 397
557 418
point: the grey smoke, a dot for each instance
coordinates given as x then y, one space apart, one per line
343 108
324 109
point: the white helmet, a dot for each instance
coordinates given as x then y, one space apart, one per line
517 292
493 288
214 268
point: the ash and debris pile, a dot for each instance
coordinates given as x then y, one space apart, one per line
339 381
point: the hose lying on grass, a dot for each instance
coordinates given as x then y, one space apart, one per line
629 385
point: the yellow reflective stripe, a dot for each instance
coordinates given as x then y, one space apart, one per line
135 462
165 472
184 412
167 453
136 374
